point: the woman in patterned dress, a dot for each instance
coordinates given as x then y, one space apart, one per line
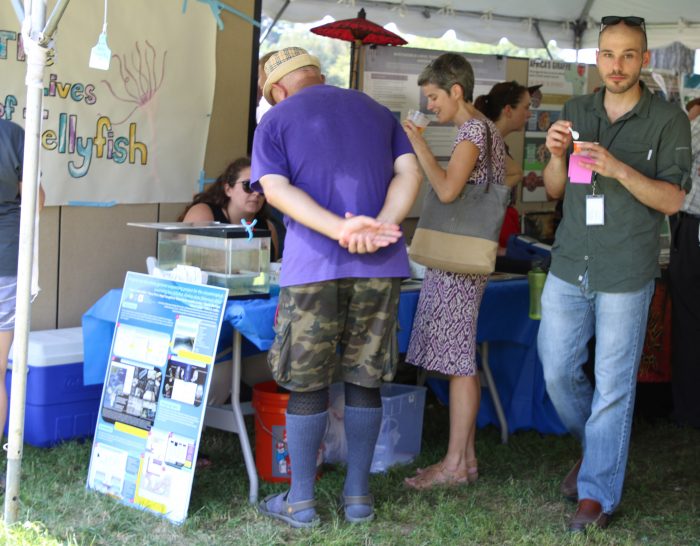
444 330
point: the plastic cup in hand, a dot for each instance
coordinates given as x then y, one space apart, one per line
419 119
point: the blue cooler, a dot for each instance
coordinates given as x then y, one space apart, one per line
58 406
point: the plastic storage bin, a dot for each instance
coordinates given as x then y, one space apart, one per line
58 406
401 433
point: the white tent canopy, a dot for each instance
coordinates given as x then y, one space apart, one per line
526 23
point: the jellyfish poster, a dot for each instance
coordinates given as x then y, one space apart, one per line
135 133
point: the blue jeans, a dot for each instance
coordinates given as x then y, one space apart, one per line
601 416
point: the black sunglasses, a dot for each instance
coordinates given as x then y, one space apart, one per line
244 183
631 20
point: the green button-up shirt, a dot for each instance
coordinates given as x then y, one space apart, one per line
621 255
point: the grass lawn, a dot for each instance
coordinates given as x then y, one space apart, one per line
515 501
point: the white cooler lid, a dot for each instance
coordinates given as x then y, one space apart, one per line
53 347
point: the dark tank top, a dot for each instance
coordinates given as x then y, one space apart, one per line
218 214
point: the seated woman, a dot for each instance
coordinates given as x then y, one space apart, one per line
230 199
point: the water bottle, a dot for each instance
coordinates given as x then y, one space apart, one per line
535 279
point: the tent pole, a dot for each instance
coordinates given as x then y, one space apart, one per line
19 9
579 27
52 22
355 46
274 21
36 55
536 26
34 16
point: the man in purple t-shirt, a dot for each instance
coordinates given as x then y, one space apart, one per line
341 169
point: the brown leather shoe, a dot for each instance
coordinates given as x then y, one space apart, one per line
569 485
588 514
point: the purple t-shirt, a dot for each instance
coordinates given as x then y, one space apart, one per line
338 146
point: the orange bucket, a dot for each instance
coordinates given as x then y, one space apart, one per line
271 453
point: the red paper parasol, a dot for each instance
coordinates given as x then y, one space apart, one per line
359 31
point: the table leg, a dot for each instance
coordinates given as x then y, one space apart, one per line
238 416
495 398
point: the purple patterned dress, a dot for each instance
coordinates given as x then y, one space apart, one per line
444 329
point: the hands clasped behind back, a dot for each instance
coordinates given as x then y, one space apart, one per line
364 235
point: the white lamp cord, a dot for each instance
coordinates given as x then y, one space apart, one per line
104 23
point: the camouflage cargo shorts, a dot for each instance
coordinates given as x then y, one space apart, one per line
350 321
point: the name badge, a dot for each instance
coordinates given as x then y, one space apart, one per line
595 210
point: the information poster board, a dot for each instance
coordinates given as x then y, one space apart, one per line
155 393
560 81
391 78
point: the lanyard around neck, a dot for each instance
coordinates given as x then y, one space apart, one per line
607 147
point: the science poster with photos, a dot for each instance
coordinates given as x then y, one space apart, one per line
155 392
560 81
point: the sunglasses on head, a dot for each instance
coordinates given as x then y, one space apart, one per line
631 20
244 183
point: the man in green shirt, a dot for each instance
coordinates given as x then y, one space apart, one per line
605 257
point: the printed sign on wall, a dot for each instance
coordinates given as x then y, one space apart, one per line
560 81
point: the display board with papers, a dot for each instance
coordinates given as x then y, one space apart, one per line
155 393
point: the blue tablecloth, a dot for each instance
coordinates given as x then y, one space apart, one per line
503 322
516 368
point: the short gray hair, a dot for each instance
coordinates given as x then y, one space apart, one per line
449 69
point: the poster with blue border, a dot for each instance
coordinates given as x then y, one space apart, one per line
155 393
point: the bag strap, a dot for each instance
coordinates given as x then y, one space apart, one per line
489 165
487 158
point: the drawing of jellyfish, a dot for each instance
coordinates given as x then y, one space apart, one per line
142 75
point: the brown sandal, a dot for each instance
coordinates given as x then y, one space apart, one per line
437 475
472 470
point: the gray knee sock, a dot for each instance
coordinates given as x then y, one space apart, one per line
361 429
304 436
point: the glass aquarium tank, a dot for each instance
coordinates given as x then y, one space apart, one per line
226 253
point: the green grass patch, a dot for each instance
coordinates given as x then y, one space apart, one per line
515 502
